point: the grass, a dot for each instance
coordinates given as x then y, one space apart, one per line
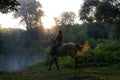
40 71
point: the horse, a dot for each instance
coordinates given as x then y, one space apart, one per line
65 49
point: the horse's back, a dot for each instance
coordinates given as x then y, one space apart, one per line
67 49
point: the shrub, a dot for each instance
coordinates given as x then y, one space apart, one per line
104 54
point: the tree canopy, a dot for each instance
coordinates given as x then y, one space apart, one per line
101 10
8 5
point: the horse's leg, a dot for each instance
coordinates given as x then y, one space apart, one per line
76 63
51 62
56 63
50 65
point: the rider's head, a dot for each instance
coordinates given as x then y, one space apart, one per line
60 32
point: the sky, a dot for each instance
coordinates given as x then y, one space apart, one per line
51 8
8 21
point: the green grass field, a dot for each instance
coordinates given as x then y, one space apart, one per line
40 71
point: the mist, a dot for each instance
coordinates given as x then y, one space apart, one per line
15 55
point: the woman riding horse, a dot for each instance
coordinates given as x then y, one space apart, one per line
60 49
58 42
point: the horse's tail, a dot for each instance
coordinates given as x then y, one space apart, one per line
79 47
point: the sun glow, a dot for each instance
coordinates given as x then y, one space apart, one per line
48 22
53 8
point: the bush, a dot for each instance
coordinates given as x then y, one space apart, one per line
110 51
104 54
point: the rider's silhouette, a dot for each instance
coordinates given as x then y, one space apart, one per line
59 38
58 42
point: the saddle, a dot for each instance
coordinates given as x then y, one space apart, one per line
54 49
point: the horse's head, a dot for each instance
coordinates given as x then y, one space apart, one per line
79 47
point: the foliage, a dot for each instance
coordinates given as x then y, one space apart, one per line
66 18
8 5
106 53
110 51
102 10
97 31
75 33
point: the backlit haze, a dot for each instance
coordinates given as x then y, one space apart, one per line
51 8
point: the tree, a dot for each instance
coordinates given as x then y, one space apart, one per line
8 5
102 11
58 22
66 18
97 31
30 12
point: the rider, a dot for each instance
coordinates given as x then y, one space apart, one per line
59 38
53 51
58 42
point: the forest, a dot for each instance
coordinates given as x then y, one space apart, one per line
24 54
